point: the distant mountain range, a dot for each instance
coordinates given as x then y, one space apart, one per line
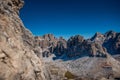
76 46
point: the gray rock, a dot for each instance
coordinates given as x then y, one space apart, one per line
17 58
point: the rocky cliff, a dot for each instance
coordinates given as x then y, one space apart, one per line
91 58
21 53
79 58
17 58
76 46
110 40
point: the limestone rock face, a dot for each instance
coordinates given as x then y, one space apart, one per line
98 37
17 58
75 47
47 43
74 40
78 46
110 40
61 47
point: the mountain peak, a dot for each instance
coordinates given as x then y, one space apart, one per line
110 34
49 36
97 37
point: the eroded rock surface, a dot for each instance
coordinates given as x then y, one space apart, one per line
17 58
110 40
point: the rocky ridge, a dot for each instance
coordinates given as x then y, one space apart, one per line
17 58
77 46
90 58
21 53
110 40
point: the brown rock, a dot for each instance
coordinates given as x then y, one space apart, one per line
17 58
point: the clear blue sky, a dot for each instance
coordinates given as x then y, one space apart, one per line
70 17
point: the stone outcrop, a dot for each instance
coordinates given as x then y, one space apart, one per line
78 46
98 37
17 58
47 43
75 47
61 47
110 40
89 56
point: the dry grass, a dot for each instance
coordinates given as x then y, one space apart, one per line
69 75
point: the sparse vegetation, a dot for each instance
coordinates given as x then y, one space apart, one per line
69 75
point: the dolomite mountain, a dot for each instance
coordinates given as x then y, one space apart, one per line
76 46
96 58
27 57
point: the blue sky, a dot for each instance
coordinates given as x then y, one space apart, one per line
70 17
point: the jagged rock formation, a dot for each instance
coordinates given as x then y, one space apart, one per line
90 58
77 46
110 40
98 37
47 43
61 47
17 58
50 44
21 53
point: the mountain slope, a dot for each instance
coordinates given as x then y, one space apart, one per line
17 58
